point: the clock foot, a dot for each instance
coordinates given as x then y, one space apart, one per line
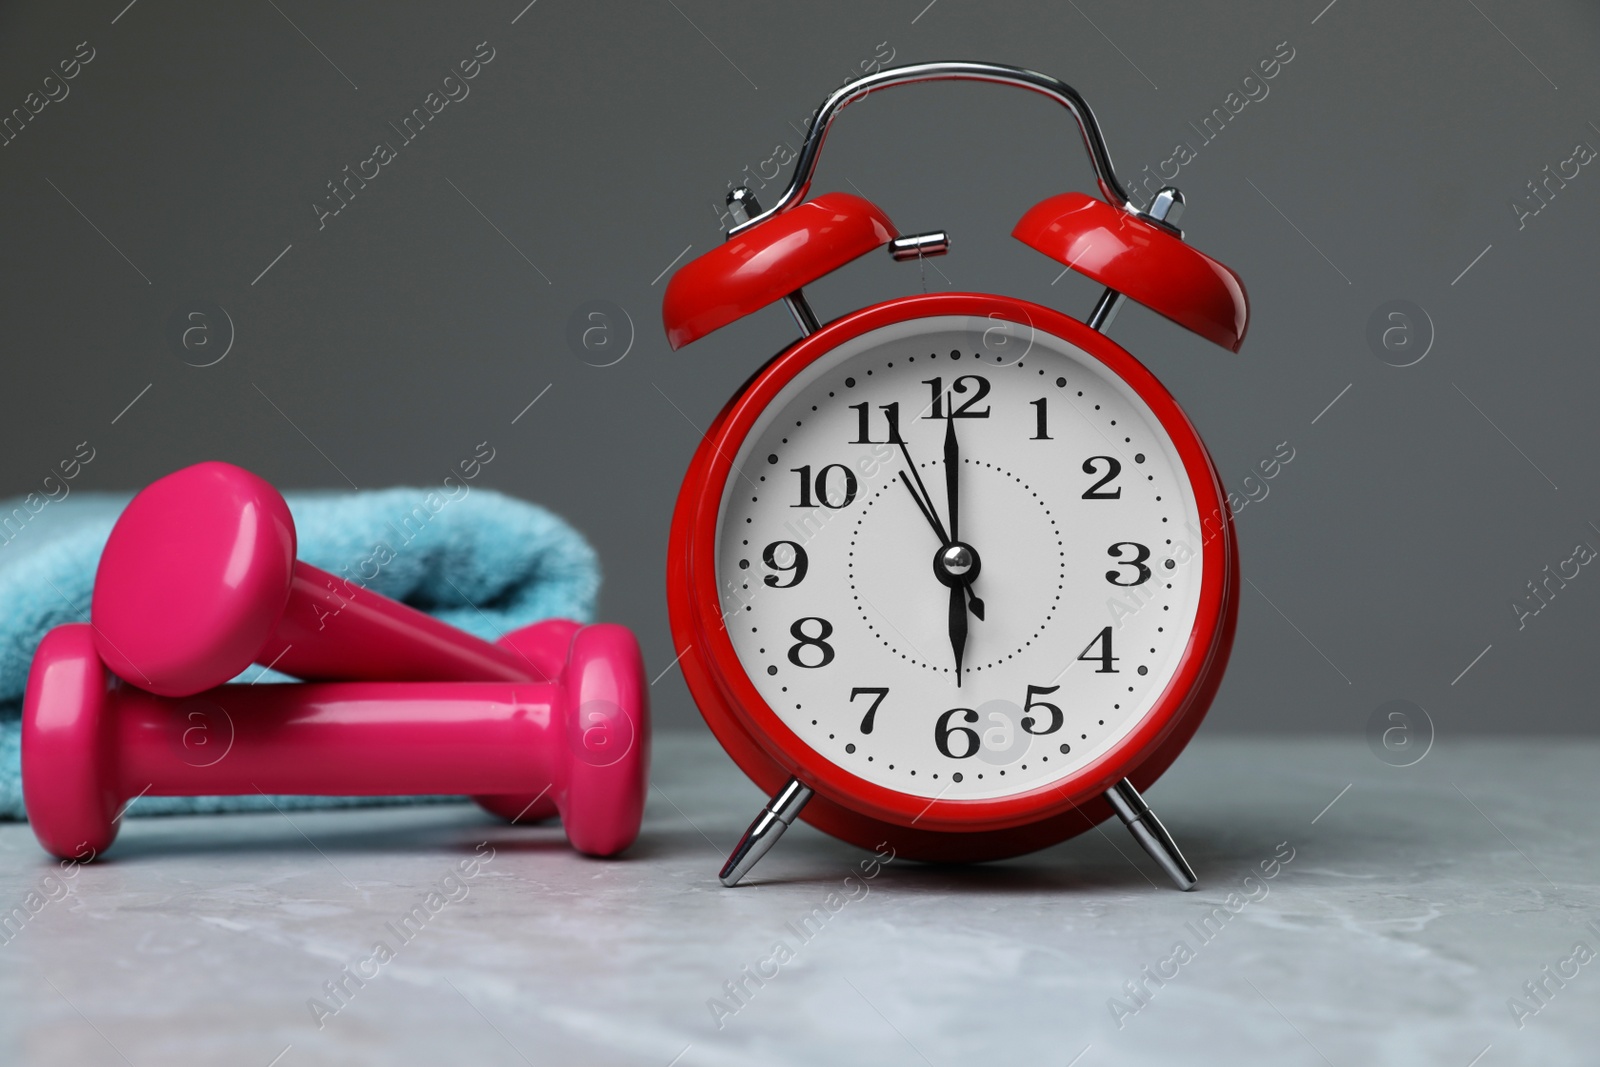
774 819
1150 834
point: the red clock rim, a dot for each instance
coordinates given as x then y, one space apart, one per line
739 700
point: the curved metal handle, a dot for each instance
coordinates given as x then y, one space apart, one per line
997 73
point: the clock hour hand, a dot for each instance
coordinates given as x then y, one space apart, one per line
927 512
920 492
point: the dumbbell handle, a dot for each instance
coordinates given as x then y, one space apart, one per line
342 738
331 628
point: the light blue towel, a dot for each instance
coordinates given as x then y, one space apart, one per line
477 559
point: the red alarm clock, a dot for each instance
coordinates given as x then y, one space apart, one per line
953 572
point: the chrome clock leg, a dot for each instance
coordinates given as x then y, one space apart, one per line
1150 834
765 831
1130 806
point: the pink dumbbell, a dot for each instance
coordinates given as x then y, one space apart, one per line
91 742
199 580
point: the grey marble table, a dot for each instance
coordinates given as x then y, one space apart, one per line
1407 911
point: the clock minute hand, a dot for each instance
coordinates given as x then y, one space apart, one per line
952 485
958 626
960 591
960 584
952 476
972 599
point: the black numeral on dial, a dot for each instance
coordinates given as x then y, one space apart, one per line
1141 572
891 415
976 383
1041 419
796 567
878 693
947 736
821 484
1104 656
820 642
1113 468
1030 706
943 732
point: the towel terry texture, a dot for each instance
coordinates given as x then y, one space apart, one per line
477 559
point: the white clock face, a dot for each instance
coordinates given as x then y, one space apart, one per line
1074 567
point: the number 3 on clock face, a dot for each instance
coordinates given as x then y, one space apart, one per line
981 580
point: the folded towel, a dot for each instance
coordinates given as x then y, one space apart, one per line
475 558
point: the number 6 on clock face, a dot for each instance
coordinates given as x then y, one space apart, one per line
1082 513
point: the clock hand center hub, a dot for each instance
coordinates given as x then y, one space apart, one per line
957 564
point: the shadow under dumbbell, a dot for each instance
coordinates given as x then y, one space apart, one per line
449 829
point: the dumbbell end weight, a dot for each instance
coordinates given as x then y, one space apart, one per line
543 647
608 734
608 740
193 579
69 749
199 579
91 743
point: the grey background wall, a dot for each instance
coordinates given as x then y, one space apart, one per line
380 345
